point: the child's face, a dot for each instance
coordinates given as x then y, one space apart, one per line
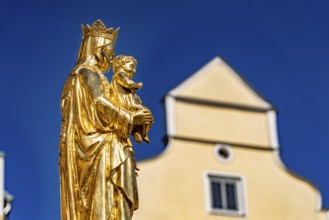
130 68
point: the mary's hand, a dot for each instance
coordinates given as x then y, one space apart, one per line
142 117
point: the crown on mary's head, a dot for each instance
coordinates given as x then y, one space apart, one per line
98 29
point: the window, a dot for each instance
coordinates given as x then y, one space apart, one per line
223 153
225 195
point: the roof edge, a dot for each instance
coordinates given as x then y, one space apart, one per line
215 61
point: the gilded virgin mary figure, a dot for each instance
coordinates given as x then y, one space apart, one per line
96 159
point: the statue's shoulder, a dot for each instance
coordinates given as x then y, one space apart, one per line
84 70
86 73
90 77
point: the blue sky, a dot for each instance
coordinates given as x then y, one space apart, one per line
280 47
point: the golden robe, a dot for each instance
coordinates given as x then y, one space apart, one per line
97 165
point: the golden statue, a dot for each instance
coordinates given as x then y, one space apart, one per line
96 159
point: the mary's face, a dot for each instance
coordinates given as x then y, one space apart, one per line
106 56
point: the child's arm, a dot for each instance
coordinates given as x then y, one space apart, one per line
125 82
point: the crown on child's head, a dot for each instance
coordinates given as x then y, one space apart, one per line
98 29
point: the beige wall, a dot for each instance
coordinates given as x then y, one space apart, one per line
224 124
173 185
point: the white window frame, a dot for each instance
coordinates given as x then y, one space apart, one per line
211 176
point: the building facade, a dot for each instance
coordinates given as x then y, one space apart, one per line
222 159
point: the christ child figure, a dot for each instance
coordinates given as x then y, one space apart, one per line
123 92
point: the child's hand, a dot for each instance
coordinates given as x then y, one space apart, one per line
139 85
